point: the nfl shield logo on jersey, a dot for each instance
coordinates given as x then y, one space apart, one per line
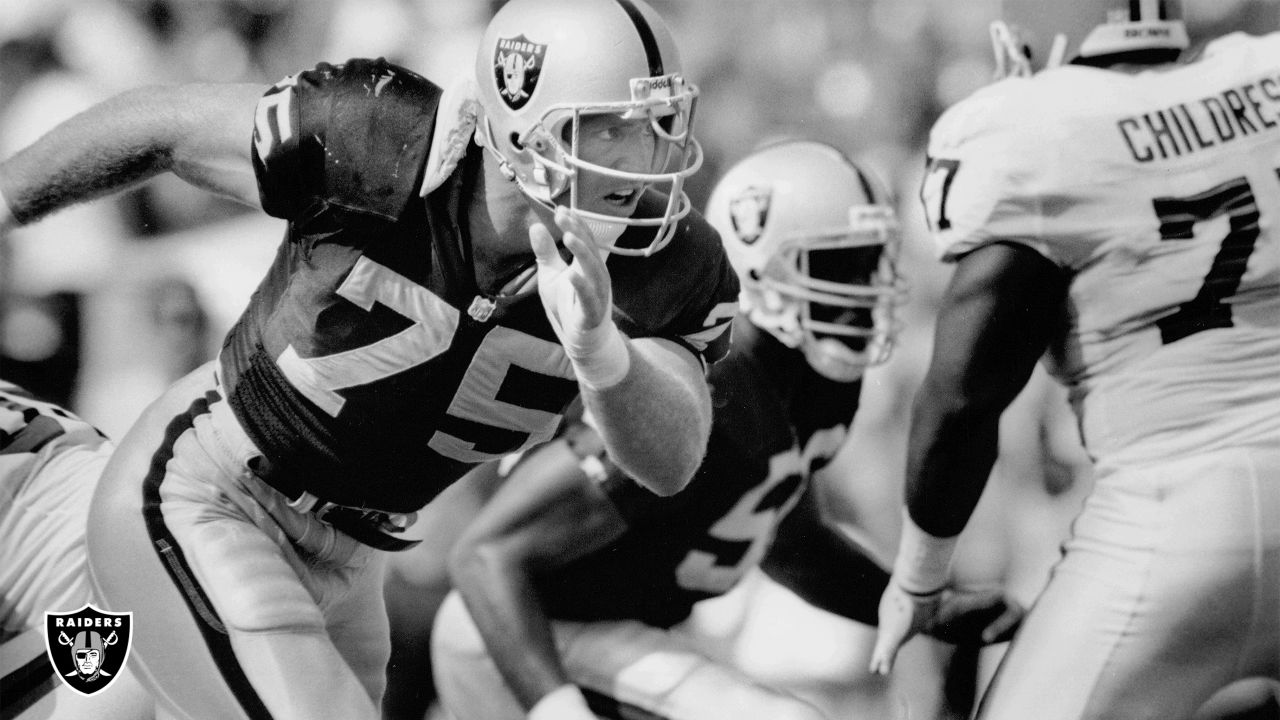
748 212
88 647
517 63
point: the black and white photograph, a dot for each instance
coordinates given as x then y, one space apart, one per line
640 359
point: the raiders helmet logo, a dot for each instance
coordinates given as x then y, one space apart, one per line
749 212
88 647
517 64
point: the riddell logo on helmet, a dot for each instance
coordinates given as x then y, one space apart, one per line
88 647
517 65
645 88
1151 32
749 212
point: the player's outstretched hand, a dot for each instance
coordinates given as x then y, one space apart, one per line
578 299
902 615
577 296
976 617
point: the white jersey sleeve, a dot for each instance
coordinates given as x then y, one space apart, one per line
1159 194
986 174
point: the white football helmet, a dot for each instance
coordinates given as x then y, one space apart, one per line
1035 35
544 64
814 242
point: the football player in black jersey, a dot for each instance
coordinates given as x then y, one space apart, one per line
403 334
575 575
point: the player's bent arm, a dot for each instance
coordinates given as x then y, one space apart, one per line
823 565
657 420
1003 304
999 311
547 514
200 132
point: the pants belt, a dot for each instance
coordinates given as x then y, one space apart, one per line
374 528
370 527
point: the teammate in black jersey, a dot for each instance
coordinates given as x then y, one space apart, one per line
403 334
575 575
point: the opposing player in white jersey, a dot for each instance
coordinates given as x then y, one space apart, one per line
1116 213
50 461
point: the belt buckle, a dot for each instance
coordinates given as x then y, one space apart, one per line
306 502
371 527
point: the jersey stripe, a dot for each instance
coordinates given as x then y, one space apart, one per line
651 51
273 123
701 339
27 674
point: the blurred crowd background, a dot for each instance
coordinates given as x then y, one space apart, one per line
101 306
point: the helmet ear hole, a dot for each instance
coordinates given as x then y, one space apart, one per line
515 141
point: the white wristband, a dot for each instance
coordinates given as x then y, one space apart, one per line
601 360
923 565
6 213
564 703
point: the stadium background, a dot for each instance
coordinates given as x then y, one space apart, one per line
102 305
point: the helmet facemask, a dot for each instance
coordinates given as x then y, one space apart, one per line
546 163
833 294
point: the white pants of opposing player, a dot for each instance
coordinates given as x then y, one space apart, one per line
243 607
44 500
1169 589
625 664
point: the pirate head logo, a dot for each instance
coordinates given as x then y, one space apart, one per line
517 64
88 647
749 212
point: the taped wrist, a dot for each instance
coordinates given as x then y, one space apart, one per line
563 703
600 356
6 213
923 565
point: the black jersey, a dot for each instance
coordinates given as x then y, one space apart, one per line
775 422
356 367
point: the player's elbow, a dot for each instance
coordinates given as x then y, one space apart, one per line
665 485
672 468
670 463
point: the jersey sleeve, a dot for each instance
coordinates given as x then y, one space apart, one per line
28 425
352 136
687 293
986 168
706 326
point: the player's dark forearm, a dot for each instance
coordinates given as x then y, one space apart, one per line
951 453
998 313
